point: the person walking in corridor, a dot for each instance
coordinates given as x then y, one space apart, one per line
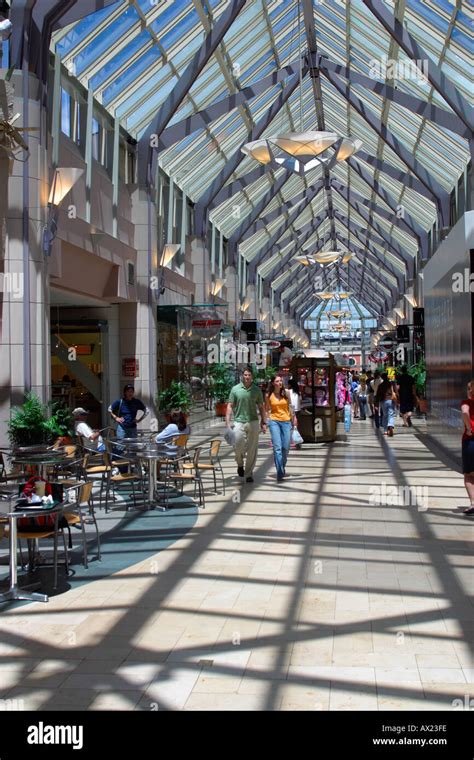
124 411
386 398
406 392
246 404
281 420
467 409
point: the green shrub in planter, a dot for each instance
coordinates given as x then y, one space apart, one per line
28 425
176 396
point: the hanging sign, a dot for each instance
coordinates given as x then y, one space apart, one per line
206 324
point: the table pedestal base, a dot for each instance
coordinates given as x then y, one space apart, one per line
15 593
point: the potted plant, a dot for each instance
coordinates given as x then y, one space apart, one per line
176 396
223 380
60 425
28 423
418 373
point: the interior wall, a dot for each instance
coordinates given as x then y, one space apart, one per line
449 334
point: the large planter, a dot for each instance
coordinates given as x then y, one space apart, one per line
423 405
221 408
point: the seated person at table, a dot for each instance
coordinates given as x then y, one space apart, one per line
92 439
177 426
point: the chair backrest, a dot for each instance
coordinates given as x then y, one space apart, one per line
197 454
85 493
70 451
181 440
215 446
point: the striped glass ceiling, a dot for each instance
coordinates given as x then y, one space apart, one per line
133 53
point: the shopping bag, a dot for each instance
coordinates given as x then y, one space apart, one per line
296 437
347 417
229 437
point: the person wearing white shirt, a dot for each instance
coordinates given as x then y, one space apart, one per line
92 438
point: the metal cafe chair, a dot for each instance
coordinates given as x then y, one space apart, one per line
213 465
81 513
191 475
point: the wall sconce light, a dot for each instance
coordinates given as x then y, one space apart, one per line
411 300
64 180
169 252
216 287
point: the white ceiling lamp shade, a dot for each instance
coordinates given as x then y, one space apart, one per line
259 150
305 260
327 257
304 145
303 151
347 148
325 296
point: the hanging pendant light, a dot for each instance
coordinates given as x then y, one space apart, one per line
347 148
305 145
327 257
305 260
259 150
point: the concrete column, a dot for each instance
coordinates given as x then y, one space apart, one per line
137 321
25 356
232 295
197 253
251 298
276 320
266 315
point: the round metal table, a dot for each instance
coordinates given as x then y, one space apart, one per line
7 509
41 462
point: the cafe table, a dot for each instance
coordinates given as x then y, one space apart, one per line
150 453
7 509
42 462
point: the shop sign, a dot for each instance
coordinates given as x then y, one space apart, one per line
130 367
206 324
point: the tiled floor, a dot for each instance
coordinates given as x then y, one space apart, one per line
331 591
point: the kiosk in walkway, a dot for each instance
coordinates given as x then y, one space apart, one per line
316 377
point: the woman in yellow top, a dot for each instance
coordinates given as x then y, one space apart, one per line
281 419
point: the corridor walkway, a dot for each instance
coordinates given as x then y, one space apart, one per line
331 591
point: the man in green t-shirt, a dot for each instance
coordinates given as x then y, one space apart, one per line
244 399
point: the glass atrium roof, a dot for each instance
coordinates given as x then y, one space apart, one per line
134 52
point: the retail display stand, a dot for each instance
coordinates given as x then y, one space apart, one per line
317 419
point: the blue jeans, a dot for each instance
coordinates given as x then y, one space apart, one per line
388 414
126 432
281 434
362 406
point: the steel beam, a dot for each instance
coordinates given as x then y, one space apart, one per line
311 195
438 193
263 221
286 259
364 237
406 221
202 119
255 214
395 247
408 180
184 84
439 116
415 52
375 258
356 200
236 159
